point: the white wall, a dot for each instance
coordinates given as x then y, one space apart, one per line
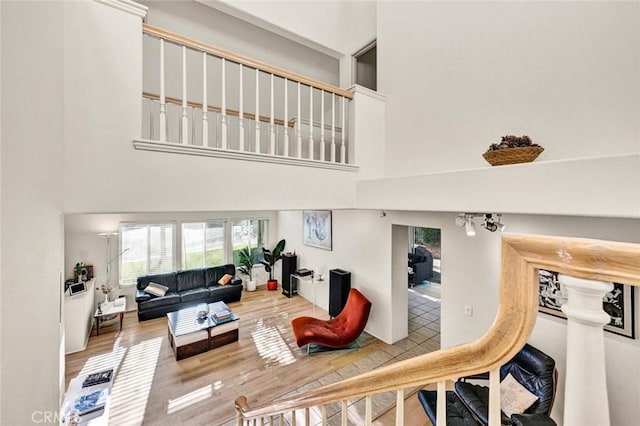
83 244
458 75
342 27
32 225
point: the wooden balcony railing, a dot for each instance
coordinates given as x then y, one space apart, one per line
322 139
522 256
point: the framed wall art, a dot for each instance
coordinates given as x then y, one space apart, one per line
618 303
316 229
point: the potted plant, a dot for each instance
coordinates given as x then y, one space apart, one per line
270 259
246 259
512 150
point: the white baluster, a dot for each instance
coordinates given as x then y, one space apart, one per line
151 123
368 417
298 125
184 124
223 113
163 103
333 127
310 155
293 417
324 415
241 115
441 404
344 417
494 397
257 147
281 419
585 394
343 150
272 127
205 123
261 421
322 125
306 416
400 407
286 119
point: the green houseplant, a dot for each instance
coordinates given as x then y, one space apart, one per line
270 259
246 259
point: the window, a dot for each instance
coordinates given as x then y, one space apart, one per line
252 233
202 244
147 249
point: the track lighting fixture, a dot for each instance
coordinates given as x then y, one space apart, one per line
492 222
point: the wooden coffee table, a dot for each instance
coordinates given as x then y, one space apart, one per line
190 335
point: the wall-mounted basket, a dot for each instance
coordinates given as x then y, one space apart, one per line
505 156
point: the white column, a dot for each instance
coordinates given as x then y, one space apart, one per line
585 395
241 115
205 123
333 127
272 126
322 125
286 119
184 127
298 124
310 154
343 151
223 107
257 144
163 103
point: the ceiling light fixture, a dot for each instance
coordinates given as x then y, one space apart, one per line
492 222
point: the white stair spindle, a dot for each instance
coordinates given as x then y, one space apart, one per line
257 144
205 124
261 421
344 414
322 125
324 415
494 397
184 124
306 416
281 422
310 154
163 103
223 112
441 404
241 115
298 124
272 127
293 417
333 127
585 394
343 150
286 120
400 407
368 415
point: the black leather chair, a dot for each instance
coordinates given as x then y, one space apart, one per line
421 261
468 405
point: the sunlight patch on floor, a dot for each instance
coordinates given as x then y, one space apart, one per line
271 346
425 296
189 399
131 388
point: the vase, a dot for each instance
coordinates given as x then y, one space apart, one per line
251 285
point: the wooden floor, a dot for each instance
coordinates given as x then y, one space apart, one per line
151 387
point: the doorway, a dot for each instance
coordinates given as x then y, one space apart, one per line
425 253
365 67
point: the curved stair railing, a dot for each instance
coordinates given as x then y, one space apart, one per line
522 256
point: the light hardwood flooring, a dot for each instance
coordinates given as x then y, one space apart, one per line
151 387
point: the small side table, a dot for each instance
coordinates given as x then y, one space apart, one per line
118 306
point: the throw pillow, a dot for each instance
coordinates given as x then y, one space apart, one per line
225 279
156 289
514 398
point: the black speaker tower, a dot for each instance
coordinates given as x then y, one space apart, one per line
289 266
339 286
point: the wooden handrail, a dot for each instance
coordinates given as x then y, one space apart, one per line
517 311
239 59
198 105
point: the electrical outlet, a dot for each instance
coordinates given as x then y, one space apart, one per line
468 310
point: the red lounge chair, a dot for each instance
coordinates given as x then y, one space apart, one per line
336 333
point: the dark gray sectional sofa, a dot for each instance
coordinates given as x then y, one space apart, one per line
189 287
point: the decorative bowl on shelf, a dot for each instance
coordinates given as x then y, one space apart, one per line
512 150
